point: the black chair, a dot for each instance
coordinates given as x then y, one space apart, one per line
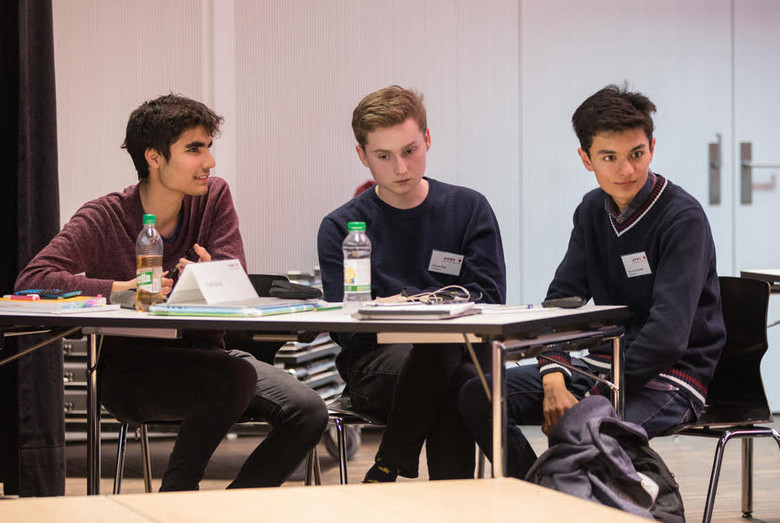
262 350
341 413
736 403
312 472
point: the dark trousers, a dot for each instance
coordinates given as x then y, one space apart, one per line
655 409
207 391
415 388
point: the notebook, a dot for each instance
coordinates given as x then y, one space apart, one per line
414 311
272 309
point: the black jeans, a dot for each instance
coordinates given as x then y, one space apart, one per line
207 391
415 388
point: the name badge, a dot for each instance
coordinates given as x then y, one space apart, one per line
445 262
213 282
636 264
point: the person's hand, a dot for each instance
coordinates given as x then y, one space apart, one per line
202 253
124 285
167 285
557 399
203 256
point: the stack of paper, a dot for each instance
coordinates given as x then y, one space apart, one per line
56 306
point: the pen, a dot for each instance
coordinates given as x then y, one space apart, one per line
22 297
505 309
517 308
174 272
326 307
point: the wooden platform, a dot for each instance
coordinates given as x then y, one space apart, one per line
689 458
460 500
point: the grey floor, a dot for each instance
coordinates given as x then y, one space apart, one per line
689 458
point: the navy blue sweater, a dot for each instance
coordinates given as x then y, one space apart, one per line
676 331
452 219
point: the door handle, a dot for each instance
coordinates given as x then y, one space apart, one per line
715 163
747 165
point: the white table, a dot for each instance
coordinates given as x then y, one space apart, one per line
513 334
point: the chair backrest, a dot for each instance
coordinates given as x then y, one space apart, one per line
736 387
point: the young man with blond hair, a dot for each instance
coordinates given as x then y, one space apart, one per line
425 234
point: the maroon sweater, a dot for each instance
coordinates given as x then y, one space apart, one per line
99 240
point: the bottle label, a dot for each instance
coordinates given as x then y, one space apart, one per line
357 275
150 279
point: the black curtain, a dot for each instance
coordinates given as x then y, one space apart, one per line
32 435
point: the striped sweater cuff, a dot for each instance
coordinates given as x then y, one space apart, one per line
546 366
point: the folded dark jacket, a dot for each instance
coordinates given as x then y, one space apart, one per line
295 291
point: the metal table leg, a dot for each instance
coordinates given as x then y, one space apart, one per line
618 398
498 402
93 418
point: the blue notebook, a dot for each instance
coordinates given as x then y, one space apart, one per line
270 309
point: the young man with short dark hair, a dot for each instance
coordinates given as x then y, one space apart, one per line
638 240
425 234
193 380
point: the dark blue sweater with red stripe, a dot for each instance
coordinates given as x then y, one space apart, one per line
676 331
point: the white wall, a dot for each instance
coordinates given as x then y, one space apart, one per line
302 66
677 53
109 57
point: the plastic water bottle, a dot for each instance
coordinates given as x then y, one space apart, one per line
357 266
149 256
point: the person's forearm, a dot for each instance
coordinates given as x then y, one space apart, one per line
122 285
552 382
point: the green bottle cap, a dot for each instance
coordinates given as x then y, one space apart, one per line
356 226
150 219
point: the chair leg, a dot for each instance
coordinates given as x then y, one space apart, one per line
317 469
747 477
121 447
312 468
341 442
714 476
146 458
308 470
776 435
480 463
